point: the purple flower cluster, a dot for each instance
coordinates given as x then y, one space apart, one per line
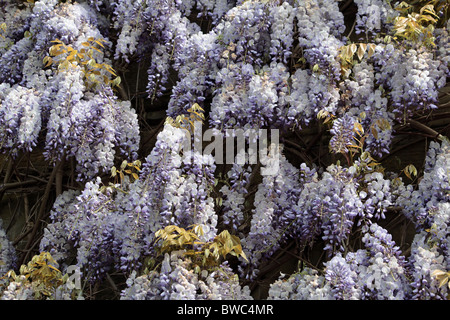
370 105
112 227
273 216
196 63
77 119
282 29
373 16
364 274
328 207
12 61
250 65
20 120
412 79
247 27
432 190
176 281
169 30
7 253
425 258
79 126
342 279
234 197
343 134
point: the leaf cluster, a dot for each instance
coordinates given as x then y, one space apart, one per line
442 277
441 8
410 171
347 54
92 70
416 26
205 254
359 135
130 168
382 124
326 116
41 272
188 121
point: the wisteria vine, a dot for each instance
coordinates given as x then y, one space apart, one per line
251 65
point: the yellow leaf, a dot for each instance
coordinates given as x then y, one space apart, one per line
361 50
407 174
411 170
91 62
327 120
98 50
99 43
200 115
359 127
198 230
47 61
114 74
197 107
371 49
352 49
116 81
443 281
244 256
429 8
374 132
137 163
345 53
72 55
440 276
